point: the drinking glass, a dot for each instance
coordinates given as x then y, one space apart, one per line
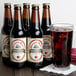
62 44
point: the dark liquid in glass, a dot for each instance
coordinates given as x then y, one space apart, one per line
62 44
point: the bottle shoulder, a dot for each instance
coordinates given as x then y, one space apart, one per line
46 30
36 34
35 29
16 33
6 29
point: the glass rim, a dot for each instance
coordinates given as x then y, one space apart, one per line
60 27
63 25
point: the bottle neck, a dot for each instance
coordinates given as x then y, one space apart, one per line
26 13
35 16
35 20
46 19
35 23
26 16
8 16
46 12
17 18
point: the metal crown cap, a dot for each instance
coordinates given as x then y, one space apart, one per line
17 5
44 4
28 4
7 4
35 5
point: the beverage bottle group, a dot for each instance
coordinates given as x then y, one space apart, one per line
25 41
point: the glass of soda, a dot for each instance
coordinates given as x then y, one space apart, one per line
62 44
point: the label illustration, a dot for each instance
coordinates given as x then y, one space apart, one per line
35 53
47 49
5 46
18 49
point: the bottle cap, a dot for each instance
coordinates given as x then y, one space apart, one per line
17 5
28 4
7 4
35 5
46 4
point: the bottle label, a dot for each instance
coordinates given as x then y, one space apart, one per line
18 49
35 52
47 48
5 46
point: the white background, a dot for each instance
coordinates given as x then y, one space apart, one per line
62 11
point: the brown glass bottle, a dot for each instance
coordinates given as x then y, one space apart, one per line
46 24
18 40
6 33
35 52
26 22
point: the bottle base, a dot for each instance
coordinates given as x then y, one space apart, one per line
6 61
47 61
18 65
34 65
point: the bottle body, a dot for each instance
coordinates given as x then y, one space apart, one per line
46 24
6 34
18 40
35 51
